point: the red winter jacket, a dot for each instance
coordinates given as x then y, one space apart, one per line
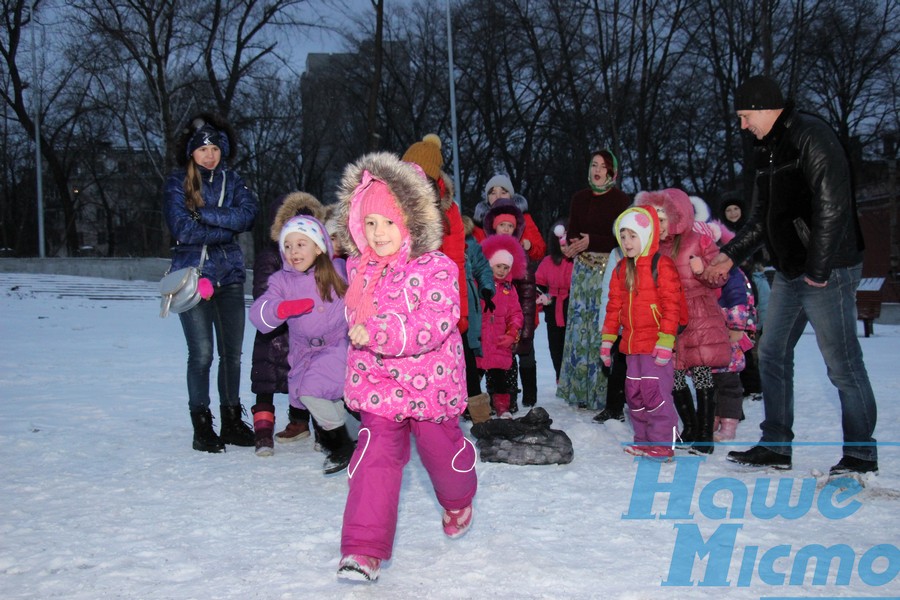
649 316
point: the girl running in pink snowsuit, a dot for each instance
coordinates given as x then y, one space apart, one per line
405 371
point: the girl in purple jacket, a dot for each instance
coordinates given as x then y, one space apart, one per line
405 366
307 293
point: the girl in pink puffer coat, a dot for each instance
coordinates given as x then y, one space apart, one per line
502 319
704 343
405 367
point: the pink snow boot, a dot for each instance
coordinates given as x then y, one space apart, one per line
727 430
501 406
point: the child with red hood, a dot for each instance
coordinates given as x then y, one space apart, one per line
645 301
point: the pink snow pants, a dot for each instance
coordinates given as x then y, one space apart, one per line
376 473
648 391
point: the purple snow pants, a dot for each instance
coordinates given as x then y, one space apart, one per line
648 391
376 472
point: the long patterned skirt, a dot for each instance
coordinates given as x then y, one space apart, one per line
581 379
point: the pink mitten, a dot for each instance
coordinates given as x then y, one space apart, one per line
605 356
662 355
205 287
294 308
696 265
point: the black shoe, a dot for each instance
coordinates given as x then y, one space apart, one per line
338 448
205 438
851 464
605 415
758 456
234 430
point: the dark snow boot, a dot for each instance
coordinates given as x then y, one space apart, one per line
706 416
684 405
514 402
317 445
615 393
205 438
234 430
529 385
264 428
338 449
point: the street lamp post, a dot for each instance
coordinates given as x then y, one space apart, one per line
454 140
36 91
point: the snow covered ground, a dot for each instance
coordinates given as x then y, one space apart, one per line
103 497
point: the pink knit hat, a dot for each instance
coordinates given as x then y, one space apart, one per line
373 196
504 218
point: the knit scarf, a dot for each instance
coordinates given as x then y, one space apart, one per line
360 296
604 187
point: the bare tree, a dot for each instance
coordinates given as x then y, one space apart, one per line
58 85
848 58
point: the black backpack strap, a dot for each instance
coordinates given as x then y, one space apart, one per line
654 268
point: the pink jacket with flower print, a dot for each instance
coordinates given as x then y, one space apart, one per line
414 366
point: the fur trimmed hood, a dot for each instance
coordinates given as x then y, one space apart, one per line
493 243
447 200
410 188
676 204
291 205
504 207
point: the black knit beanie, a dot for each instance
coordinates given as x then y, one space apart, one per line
758 93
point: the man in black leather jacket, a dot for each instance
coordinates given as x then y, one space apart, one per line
805 213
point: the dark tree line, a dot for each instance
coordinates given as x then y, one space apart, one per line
539 84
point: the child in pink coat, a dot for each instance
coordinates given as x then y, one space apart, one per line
405 367
704 343
501 328
554 280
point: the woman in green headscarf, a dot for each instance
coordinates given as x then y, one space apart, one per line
590 237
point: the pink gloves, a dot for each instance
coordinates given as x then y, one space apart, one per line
205 287
294 308
662 355
605 356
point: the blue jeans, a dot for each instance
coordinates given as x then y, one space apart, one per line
225 314
832 313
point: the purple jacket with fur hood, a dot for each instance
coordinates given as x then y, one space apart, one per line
413 367
269 365
318 340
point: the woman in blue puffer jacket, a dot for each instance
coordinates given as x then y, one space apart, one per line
206 203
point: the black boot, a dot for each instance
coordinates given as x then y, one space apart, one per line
514 402
706 416
529 385
234 430
338 449
684 405
615 391
205 438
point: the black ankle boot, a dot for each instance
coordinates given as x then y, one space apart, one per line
684 405
234 430
205 438
706 416
338 449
